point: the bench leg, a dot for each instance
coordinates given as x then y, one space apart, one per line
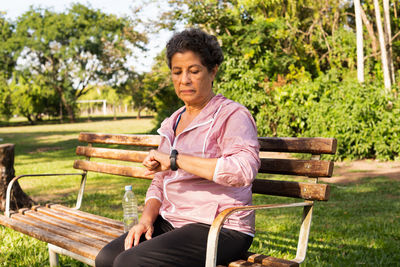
304 233
53 257
54 251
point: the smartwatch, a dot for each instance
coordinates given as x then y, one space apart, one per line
172 158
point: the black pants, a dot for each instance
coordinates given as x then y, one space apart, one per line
185 246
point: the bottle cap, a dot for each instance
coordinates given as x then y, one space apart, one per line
128 187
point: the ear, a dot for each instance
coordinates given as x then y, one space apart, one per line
214 71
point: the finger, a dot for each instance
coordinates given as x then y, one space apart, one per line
137 239
128 241
154 164
149 234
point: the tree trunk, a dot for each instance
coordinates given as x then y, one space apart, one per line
388 38
139 110
67 106
18 197
385 66
360 45
371 32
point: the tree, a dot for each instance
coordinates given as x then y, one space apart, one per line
388 39
34 96
360 43
384 59
7 63
74 49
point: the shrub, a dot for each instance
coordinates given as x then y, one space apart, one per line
362 117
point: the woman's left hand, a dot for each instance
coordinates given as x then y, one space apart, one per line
156 161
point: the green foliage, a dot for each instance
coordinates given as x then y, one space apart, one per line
158 86
362 118
6 107
33 98
7 47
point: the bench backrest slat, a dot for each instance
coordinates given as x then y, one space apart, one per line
120 139
111 169
307 191
109 153
313 145
310 168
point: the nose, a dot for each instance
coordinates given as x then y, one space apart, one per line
186 79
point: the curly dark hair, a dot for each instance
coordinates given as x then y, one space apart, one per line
199 42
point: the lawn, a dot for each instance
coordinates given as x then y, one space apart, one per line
359 225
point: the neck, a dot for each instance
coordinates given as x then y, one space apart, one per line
195 109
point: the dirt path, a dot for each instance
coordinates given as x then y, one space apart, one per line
353 171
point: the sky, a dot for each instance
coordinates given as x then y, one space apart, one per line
15 8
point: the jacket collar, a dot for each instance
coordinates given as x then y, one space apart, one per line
205 116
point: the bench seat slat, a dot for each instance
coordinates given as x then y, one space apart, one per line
128 171
310 168
120 139
109 153
313 145
54 221
307 191
88 216
270 261
60 241
80 222
76 236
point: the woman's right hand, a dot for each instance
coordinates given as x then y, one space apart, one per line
136 232
156 161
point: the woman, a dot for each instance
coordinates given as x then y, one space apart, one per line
206 162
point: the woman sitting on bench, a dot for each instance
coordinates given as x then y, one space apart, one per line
206 162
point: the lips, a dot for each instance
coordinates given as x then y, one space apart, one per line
187 91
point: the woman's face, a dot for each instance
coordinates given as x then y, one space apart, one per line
192 80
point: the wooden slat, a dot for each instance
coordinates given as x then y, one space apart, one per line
243 263
307 191
79 222
60 241
137 172
87 216
60 223
108 153
314 145
310 168
271 261
73 235
120 139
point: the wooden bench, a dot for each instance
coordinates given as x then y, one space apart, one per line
81 235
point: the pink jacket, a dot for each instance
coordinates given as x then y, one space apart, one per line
225 130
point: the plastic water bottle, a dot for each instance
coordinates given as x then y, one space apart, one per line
129 205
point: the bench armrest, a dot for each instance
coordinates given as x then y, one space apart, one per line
213 234
10 185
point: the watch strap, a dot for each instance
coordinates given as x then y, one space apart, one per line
172 158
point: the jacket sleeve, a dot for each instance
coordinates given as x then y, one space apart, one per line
238 142
155 189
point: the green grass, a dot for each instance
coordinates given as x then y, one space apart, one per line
359 225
